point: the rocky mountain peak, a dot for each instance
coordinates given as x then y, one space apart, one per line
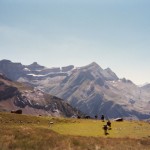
110 74
35 66
94 64
146 87
98 72
5 61
126 80
67 68
108 70
10 69
34 63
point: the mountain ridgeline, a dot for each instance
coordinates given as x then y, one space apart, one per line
90 89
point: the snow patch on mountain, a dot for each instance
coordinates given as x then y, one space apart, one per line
26 69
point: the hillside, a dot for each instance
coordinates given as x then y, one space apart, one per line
91 89
14 95
36 132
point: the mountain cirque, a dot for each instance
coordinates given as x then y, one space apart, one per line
91 89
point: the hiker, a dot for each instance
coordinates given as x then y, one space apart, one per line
102 117
78 117
109 124
96 116
105 128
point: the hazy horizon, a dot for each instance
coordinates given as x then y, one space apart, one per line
112 33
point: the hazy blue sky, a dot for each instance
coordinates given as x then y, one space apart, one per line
113 33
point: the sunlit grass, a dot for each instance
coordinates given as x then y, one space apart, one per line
93 128
36 133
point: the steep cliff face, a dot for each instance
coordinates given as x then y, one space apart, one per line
35 67
11 70
6 91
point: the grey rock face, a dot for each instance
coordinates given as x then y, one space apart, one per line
11 70
67 68
35 66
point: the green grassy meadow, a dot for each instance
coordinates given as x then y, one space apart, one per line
37 133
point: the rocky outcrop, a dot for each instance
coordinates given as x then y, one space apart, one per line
35 66
11 70
67 68
7 92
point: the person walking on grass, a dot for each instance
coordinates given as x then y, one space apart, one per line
102 118
105 128
109 124
96 116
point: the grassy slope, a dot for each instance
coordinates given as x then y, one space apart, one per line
93 128
30 132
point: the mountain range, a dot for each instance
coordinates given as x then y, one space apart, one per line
90 88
